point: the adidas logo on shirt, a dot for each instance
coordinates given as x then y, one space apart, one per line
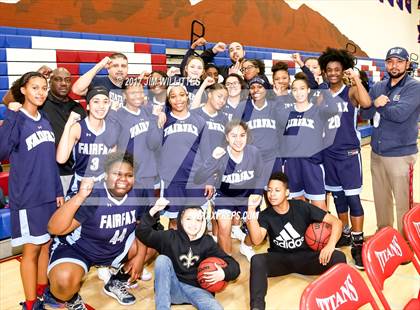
289 238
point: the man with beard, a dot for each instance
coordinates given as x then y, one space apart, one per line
58 107
395 112
236 55
117 66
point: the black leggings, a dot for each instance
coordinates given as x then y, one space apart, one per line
275 264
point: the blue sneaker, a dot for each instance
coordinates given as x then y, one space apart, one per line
76 303
38 305
118 290
50 301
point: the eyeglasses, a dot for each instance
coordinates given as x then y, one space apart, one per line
232 84
247 68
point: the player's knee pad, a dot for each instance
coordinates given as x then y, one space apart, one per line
356 208
340 202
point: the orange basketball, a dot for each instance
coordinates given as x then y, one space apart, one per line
209 265
317 235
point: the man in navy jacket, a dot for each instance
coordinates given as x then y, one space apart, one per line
395 112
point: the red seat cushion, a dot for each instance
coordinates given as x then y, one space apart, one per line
413 304
4 182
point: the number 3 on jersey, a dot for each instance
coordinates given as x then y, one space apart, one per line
334 122
117 237
94 164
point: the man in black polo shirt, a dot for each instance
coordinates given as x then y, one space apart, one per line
58 107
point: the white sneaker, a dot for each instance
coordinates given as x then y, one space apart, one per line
247 251
237 233
146 275
104 274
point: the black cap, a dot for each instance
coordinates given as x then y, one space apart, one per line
259 80
92 92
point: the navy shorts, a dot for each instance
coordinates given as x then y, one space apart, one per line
30 225
61 252
305 178
343 175
181 195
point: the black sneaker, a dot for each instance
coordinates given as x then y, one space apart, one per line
345 240
76 303
125 278
356 253
118 290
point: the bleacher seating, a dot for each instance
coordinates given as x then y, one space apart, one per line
24 49
5 231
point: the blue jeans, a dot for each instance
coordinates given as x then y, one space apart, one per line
169 290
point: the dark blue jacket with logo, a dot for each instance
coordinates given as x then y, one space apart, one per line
396 133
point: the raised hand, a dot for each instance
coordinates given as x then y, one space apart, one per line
199 42
219 47
254 201
45 71
208 81
280 90
86 187
105 62
160 204
14 106
173 71
218 152
236 69
144 75
297 59
352 75
73 118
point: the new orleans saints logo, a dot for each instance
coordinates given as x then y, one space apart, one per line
189 259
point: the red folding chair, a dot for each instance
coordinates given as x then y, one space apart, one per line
411 227
4 182
341 287
381 255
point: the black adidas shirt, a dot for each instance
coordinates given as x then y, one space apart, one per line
286 232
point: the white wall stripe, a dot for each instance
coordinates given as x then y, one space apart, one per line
81 44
